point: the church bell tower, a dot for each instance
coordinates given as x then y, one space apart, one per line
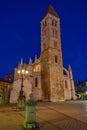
51 57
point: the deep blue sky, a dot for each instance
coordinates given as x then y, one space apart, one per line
20 33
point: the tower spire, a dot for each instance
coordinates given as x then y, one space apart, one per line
30 61
21 61
69 67
35 57
50 10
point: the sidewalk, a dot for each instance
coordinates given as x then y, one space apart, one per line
50 116
59 116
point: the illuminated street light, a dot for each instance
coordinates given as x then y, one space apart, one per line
21 98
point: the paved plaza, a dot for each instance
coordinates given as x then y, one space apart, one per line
50 116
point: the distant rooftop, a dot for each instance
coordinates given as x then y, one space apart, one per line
3 80
50 10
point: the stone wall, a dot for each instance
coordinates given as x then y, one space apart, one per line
16 87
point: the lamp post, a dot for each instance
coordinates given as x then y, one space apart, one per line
21 98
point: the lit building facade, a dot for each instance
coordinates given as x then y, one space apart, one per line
47 79
4 91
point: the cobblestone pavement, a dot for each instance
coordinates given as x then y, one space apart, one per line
51 119
50 116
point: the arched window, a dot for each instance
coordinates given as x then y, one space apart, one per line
65 83
55 44
36 82
45 23
55 23
52 22
55 59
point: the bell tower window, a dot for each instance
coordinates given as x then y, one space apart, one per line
54 23
44 23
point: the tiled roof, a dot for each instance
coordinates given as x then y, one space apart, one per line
50 10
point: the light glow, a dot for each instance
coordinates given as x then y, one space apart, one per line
23 71
26 72
18 71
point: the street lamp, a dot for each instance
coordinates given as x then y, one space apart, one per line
21 99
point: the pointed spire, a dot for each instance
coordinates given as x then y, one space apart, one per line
35 57
21 61
69 67
70 72
30 61
50 10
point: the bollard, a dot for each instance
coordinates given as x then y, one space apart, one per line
30 119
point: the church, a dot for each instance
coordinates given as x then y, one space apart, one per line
46 77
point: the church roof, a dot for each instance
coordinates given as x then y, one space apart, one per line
51 11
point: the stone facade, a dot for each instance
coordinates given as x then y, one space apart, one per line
47 79
4 91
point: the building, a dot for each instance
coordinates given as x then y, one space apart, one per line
81 89
46 77
81 86
9 77
4 91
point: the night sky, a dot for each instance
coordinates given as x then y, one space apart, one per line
20 33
